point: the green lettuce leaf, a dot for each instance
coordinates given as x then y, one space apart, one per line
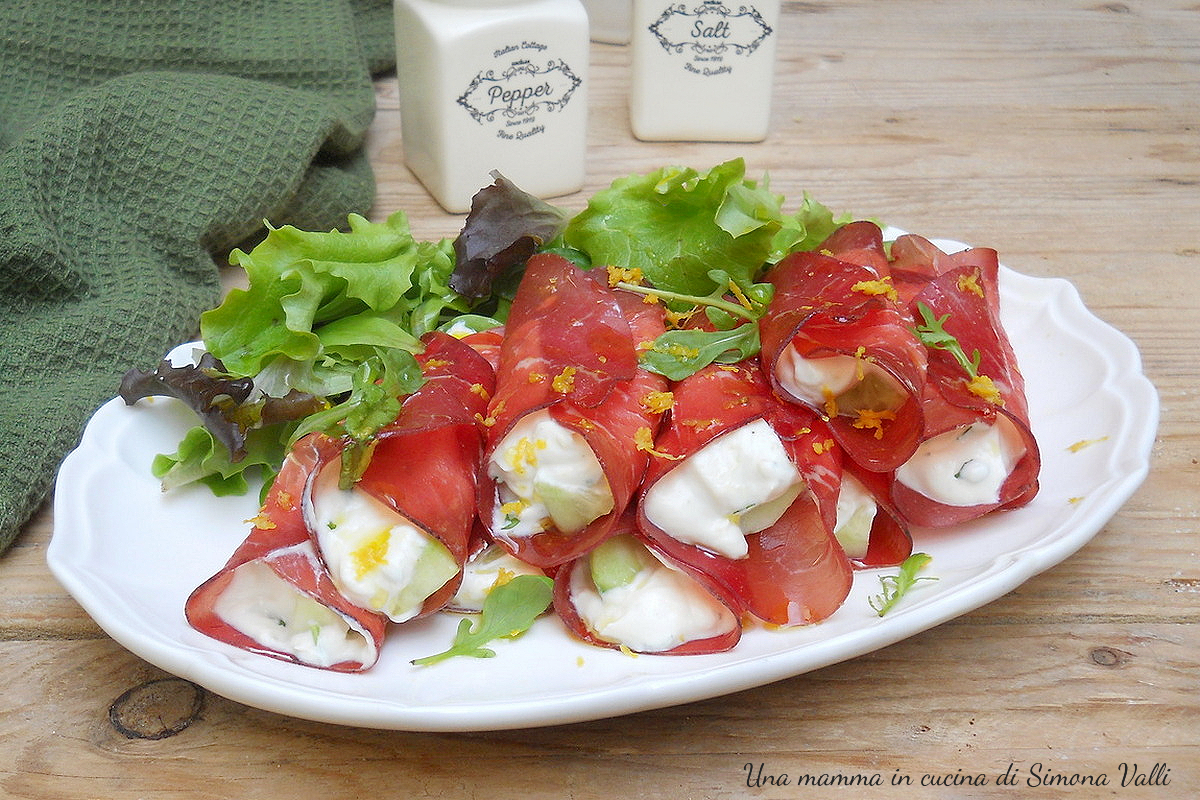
675 224
200 457
300 282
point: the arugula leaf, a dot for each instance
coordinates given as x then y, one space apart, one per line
896 586
733 309
378 384
678 354
508 611
933 335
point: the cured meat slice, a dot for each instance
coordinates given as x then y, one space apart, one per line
397 539
837 340
743 488
563 458
978 453
274 595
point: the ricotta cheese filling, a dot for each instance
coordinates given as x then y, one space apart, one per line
739 483
658 609
966 466
856 509
852 384
491 567
546 476
377 558
279 616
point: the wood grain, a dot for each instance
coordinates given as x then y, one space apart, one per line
1067 136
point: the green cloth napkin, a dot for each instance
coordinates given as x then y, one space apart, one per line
137 141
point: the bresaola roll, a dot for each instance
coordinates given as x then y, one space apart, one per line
837 340
274 595
743 488
977 453
395 541
326 567
940 439
569 418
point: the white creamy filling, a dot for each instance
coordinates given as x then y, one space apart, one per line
813 379
856 510
484 572
966 466
816 381
377 558
739 483
660 609
279 616
546 475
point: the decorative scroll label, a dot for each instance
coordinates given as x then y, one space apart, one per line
512 99
707 33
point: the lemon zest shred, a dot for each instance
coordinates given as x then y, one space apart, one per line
262 522
873 420
623 275
503 576
677 319
983 386
831 406
741 296
564 382
860 359
877 288
1084 443
658 402
643 438
969 282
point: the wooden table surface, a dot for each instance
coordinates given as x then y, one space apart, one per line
1067 136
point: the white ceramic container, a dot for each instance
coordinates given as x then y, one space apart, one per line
493 85
702 70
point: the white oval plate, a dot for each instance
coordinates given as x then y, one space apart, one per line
130 555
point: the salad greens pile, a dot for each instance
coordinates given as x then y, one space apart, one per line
324 336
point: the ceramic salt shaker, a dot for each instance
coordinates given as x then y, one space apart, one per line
702 70
493 85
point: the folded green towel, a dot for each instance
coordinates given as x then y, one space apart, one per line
137 140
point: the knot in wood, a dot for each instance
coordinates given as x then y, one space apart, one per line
1109 656
156 709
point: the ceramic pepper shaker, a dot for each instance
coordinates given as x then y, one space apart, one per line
493 85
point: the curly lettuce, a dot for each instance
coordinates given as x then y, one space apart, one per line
698 240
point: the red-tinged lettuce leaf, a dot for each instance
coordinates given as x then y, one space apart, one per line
204 387
503 229
221 401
